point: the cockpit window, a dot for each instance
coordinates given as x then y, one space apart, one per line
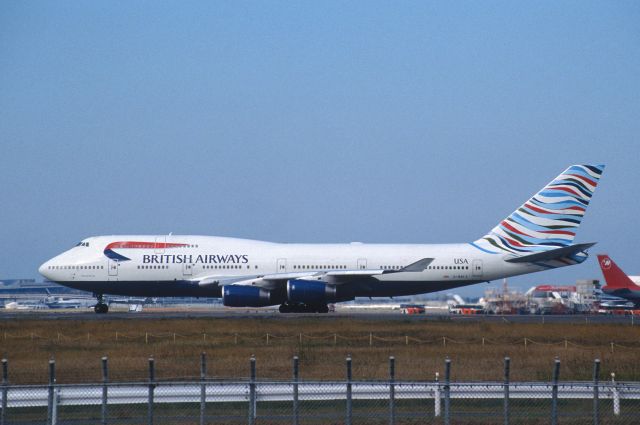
82 244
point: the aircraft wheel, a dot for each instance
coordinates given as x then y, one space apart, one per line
284 308
101 308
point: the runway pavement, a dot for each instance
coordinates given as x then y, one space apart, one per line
372 315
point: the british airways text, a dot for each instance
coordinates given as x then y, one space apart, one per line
194 259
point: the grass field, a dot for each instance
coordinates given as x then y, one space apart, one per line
419 348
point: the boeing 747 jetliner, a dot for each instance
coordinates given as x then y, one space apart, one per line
618 283
305 277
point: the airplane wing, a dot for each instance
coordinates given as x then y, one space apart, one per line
333 277
275 280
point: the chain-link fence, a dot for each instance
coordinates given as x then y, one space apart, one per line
295 401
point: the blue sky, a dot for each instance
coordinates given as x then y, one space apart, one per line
312 121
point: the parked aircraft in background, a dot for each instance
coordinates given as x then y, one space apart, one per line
25 305
76 301
63 302
618 283
306 277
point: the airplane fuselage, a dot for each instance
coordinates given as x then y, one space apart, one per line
176 265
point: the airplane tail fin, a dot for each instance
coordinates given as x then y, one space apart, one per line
550 218
613 275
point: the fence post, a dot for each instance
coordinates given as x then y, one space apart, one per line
349 405
596 391
52 410
554 392
295 389
5 384
507 364
616 395
392 390
203 386
152 378
447 390
105 389
252 390
436 397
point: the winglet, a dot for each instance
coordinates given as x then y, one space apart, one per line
418 266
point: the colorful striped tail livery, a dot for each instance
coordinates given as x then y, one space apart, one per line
549 219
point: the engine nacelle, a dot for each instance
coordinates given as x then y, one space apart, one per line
246 296
312 292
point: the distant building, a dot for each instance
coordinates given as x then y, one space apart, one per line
562 299
10 287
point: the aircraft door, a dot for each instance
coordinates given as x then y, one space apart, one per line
187 269
113 268
282 265
362 263
476 268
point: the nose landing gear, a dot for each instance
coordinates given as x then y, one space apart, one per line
101 307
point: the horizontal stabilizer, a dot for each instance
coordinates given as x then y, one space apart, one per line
552 254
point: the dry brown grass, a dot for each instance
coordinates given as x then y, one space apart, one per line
78 355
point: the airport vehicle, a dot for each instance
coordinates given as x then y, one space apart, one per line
412 309
307 277
466 309
618 283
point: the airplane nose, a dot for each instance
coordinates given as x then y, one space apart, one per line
43 269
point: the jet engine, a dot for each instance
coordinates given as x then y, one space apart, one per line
247 296
312 293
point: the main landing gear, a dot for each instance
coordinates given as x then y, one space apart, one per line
101 307
303 308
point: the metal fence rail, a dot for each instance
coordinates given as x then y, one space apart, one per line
348 401
425 399
270 391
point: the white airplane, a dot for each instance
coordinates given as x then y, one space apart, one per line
306 277
65 302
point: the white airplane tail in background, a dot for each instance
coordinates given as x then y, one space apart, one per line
549 219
